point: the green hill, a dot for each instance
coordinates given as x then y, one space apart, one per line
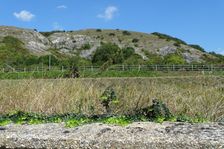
25 47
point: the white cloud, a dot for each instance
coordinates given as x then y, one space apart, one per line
61 7
108 13
24 15
57 26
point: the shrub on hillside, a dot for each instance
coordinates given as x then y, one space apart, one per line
153 58
126 33
86 46
106 52
197 47
135 40
111 34
127 52
111 52
134 59
169 38
98 30
173 59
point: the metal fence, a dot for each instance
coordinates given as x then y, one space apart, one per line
120 68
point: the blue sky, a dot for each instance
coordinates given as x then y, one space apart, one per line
194 21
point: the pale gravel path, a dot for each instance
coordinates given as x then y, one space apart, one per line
96 135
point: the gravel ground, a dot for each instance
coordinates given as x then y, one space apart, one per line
97 135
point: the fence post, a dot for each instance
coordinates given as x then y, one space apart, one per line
62 68
92 68
192 67
123 67
156 68
139 67
3 70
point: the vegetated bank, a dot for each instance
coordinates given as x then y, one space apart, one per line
191 96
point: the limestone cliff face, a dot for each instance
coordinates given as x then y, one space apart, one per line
74 43
34 41
85 42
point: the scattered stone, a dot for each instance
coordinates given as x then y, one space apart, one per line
66 131
167 135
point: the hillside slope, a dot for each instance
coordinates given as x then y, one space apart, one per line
84 43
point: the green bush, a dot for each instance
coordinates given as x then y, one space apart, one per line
98 30
177 44
169 38
107 52
127 33
135 40
127 52
47 34
134 59
158 111
111 34
197 47
153 58
173 59
86 46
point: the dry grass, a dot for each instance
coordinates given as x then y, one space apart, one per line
202 96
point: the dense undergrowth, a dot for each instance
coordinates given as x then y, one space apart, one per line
73 120
157 112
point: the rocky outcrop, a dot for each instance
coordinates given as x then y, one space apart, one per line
97 135
68 42
33 40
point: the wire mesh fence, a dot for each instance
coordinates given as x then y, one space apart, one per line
119 68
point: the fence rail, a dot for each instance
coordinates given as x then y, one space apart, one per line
121 68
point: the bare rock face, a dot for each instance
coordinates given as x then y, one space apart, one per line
97 135
34 41
167 50
70 42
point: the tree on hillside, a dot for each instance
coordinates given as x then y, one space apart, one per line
106 52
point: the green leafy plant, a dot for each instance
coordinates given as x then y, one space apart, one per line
120 120
157 112
107 97
77 122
